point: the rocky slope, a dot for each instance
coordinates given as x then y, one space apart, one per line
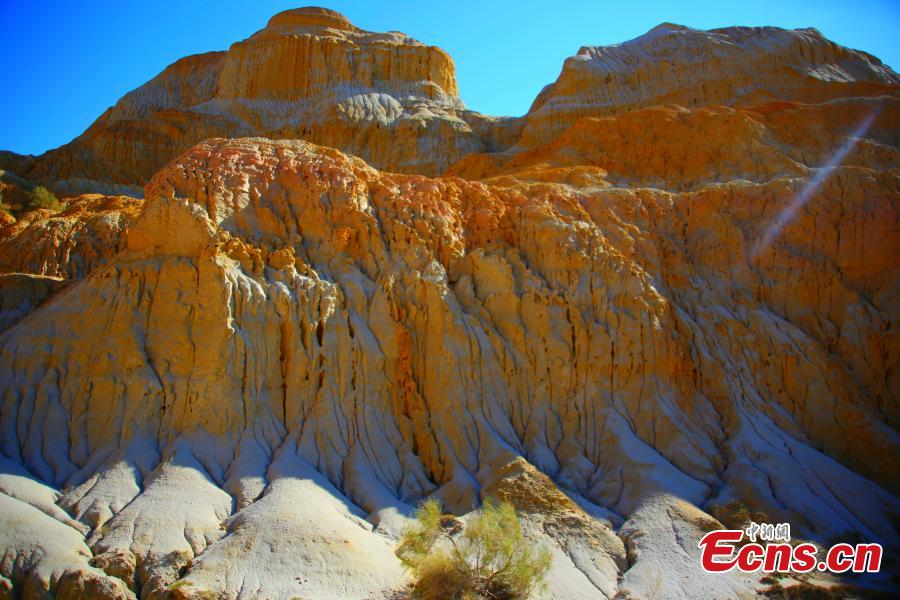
735 66
69 243
242 386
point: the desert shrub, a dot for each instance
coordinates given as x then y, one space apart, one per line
736 514
41 197
807 591
487 558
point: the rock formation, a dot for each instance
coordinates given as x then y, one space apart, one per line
309 74
242 386
69 244
734 66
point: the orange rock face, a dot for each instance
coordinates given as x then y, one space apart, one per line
69 244
309 74
735 66
633 314
303 52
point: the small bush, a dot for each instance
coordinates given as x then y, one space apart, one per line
488 558
806 591
41 197
737 515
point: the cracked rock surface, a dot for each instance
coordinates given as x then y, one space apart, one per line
242 386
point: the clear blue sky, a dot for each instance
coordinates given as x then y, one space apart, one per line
65 62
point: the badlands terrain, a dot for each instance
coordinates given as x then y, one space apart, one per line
297 287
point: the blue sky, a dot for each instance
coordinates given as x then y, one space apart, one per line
64 63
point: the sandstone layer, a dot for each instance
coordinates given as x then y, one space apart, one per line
290 314
308 74
735 66
243 385
86 233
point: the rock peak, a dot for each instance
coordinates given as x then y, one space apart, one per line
312 16
667 26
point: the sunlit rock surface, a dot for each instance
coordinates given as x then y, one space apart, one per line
734 66
87 232
308 74
242 385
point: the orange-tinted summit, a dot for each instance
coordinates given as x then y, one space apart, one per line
311 17
308 74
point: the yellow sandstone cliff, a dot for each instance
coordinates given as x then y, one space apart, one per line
242 385
308 74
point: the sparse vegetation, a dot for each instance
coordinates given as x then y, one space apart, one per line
737 515
41 197
177 584
806 591
487 558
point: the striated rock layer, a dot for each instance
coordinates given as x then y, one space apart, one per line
242 386
86 233
735 66
305 334
393 101
309 74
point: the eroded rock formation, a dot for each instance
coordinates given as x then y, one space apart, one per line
309 74
70 243
241 386
734 66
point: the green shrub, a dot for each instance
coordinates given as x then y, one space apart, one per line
488 558
41 197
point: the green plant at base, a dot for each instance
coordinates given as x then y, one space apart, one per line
487 558
41 197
